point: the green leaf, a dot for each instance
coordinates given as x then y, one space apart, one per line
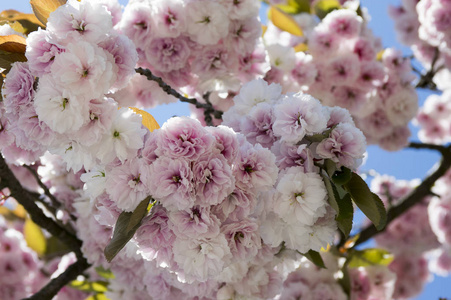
56 247
138 214
332 195
7 59
370 257
330 167
346 215
125 228
316 138
98 297
107 274
369 203
342 176
341 204
323 7
315 258
295 6
91 287
345 280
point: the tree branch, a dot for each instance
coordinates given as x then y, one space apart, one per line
55 202
56 284
417 195
26 199
36 214
207 107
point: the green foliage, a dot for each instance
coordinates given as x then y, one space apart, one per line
369 257
368 202
345 216
342 176
340 201
323 7
315 258
90 287
99 296
295 7
55 247
126 226
107 274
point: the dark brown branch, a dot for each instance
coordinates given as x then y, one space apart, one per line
27 200
36 214
417 195
207 107
55 202
56 284
426 79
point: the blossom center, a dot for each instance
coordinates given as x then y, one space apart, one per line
65 101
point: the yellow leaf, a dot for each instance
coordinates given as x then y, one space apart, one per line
4 211
13 43
28 21
148 120
323 7
380 54
34 237
284 21
12 49
264 28
20 212
301 47
16 26
43 8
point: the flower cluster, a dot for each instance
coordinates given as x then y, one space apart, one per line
297 211
205 45
229 204
79 59
425 27
308 281
344 65
433 119
222 209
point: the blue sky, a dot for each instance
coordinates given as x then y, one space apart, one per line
405 164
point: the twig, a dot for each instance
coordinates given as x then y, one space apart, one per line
426 79
417 195
56 284
207 107
55 202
